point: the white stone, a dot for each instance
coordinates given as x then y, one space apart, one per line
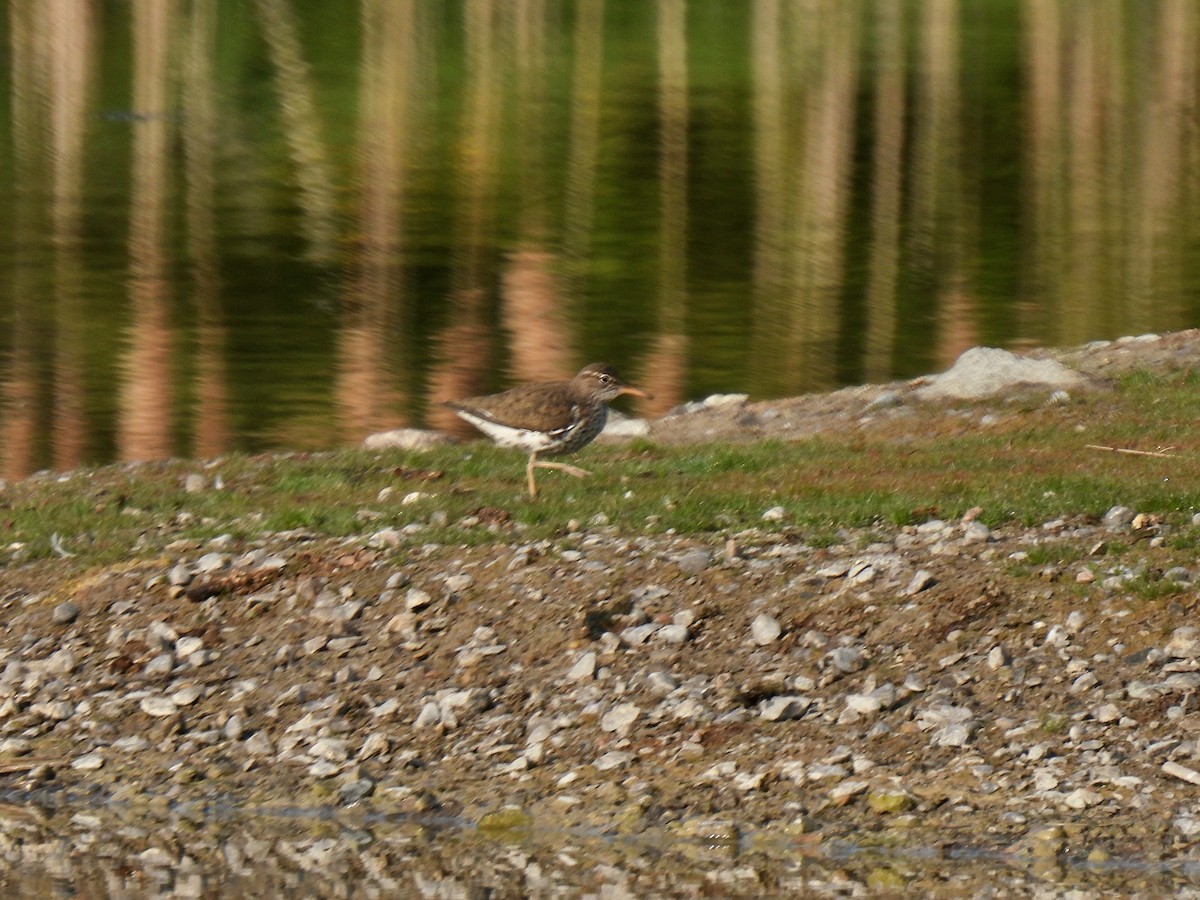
584 668
332 749
620 718
430 714
672 634
416 599
765 629
864 704
614 759
88 762
158 707
211 562
774 514
187 695
186 646
783 706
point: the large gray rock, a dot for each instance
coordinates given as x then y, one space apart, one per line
985 371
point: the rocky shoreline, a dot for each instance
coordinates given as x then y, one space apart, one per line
928 686
611 713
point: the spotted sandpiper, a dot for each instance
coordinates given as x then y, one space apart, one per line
550 418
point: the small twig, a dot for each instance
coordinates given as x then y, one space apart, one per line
24 765
1161 454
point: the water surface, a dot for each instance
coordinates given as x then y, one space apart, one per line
284 224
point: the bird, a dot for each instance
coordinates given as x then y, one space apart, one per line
548 418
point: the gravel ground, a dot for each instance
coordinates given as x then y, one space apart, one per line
933 709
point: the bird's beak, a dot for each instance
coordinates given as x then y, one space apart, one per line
636 392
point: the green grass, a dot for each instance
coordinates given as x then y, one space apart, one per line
1029 468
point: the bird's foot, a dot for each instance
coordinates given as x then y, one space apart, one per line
563 467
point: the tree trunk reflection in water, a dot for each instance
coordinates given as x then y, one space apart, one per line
1159 239
294 83
886 174
830 31
771 274
1045 178
464 345
369 397
584 141
70 29
200 129
1084 276
21 401
145 419
937 253
664 375
532 302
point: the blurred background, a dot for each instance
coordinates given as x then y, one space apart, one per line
284 224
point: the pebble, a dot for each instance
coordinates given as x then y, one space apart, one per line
620 718
834 570
1188 826
187 695
584 668
1118 517
694 562
456 584
159 666
673 634
847 660
186 646
922 580
614 759
88 762
779 708
998 657
1176 770
416 600
765 629
1082 798
637 635
332 749
158 706
1184 643
841 793
864 704
61 662
65 613
430 714
861 573
211 562
954 735
662 682
975 533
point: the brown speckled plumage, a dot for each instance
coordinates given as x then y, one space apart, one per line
550 418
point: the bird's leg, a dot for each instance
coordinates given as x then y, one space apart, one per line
529 474
563 467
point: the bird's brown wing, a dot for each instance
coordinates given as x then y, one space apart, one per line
534 407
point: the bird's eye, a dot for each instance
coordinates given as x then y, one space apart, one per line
606 379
